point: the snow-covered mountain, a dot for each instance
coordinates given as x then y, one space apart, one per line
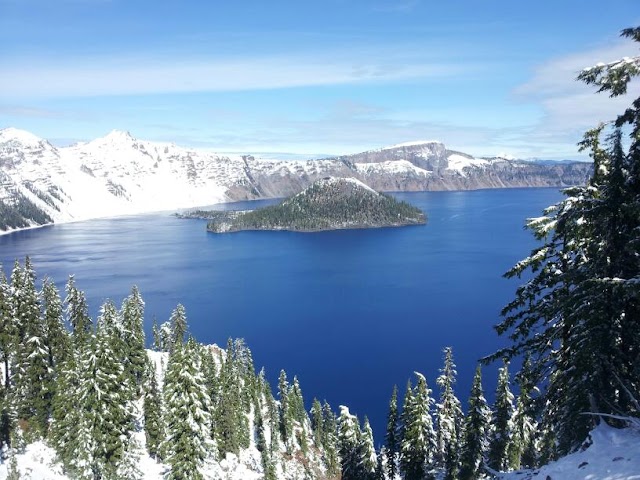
119 174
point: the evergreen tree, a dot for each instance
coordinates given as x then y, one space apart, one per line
152 411
178 322
349 443
449 418
316 422
188 416
501 435
132 314
77 313
106 422
418 446
265 454
476 431
32 375
579 315
523 449
286 420
392 436
228 410
57 337
330 442
7 343
367 452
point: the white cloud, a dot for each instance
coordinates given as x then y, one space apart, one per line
569 105
132 76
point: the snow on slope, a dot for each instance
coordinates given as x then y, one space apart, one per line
613 455
459 162
390 167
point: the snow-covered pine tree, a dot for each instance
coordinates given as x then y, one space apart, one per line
106 422
348 444
7 333
132 313
418 446
330 440
392 437
77 313
152 411
501 435
367 452
579 315
228 406
286 420
316 422
56 333
32 376
188 413
476 431
178 322
523 449
299 417
449 418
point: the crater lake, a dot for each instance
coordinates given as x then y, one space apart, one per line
350 312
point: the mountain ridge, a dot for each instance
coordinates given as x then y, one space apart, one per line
118 174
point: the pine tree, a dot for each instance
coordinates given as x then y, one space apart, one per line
286 425
476 431
367 452
392 436
188 416
449 418
349 441
132 314
32 375
316 422
523 449
57 337
106 421
579 315
7 344
501 435
152 411
77 313
178 322
330 442
418 446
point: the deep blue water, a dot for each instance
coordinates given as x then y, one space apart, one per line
350 312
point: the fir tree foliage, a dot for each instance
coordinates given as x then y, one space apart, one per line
418 446
392 437
579 314
449 418
501 437
188 413
476 432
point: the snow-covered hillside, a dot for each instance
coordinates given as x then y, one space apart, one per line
119 175
614 454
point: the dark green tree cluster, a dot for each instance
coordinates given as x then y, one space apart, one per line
578 315
327 204
79 388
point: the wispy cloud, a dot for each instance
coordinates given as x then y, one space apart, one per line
569 105
132 75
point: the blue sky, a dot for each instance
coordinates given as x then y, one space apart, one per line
312 78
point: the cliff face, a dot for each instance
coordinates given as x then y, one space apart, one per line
119 175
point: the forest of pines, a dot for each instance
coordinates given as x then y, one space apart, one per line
87 387
93 393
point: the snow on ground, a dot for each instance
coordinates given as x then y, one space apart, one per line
613 455
460 162
390 166
410 144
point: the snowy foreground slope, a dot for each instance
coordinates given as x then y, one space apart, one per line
120 175
38 460
613 455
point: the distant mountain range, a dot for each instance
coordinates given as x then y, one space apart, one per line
119 174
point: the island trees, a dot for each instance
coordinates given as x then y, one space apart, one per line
578 316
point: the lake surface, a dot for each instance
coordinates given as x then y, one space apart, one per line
351 312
